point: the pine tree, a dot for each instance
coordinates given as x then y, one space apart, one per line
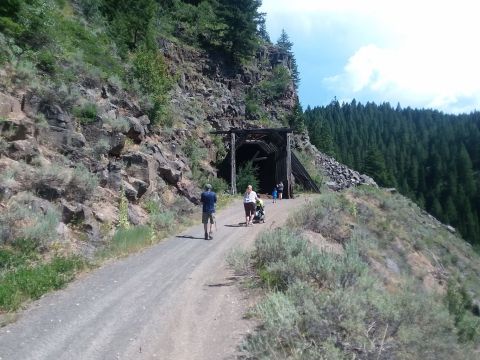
286 45
375 165
284 42
262 28
239 33
296 119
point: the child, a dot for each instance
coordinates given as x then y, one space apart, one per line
274 194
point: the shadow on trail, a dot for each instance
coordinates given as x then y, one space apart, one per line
190 237
235 225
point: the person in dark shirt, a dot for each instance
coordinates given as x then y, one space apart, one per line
208 199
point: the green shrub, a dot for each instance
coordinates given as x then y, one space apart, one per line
195 151
240 261
151 72
22 252
219 185
253 109
23 220
219 144
82 184
101 147
120 124
247 175
43 230
86 113
46 62
164 220
459 303
277 84
160 218
123 222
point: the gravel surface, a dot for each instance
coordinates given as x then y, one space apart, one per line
175 300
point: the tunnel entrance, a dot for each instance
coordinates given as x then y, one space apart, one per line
270 151
264 160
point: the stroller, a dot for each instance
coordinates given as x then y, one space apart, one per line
259 212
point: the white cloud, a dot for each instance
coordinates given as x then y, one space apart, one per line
421 53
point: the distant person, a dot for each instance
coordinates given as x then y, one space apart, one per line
249 200
274 194
208 199
280 190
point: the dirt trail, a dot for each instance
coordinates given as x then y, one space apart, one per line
172 301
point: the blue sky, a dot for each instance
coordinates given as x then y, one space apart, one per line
418 53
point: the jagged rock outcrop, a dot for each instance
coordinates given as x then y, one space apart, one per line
211 89
339 176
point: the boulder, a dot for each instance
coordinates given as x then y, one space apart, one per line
72 212
56 116
117 143
136 131
136 215
189 190
137 165
50 190
130 192
169 174
90 225
114 178
140 186
170 171
451 229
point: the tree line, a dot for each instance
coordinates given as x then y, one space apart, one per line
431 157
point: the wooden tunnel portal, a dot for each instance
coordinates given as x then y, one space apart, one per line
271 151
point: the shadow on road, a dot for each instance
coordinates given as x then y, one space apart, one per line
190 237
235 225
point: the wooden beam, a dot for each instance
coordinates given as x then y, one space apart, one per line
289 165
253 131
233 165
255 156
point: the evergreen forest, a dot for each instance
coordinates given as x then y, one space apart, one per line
429 156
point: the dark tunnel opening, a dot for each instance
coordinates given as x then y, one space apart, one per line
264 161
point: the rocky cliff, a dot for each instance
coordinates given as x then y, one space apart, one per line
71 152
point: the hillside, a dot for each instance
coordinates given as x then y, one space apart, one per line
364 274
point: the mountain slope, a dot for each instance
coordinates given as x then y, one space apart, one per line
363 274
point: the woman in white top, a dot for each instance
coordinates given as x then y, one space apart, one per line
249 199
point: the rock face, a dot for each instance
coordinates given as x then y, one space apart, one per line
118 149
210 89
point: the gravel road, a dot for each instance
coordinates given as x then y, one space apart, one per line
175 300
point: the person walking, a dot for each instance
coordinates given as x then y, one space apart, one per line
280 190
249 199
274 194
208 199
